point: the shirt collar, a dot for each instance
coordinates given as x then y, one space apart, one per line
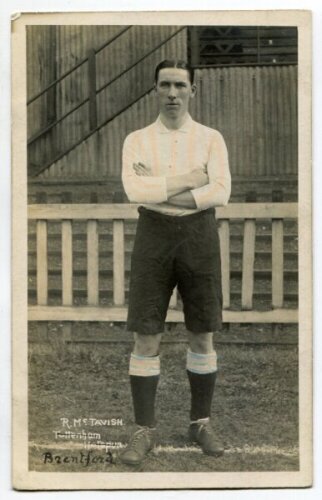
185 127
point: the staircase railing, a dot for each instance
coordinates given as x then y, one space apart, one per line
91 99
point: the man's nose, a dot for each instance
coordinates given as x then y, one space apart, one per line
172 92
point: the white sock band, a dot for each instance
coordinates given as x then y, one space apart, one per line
201 363
144 366
201 421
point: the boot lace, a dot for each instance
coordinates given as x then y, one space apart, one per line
206 429
138 436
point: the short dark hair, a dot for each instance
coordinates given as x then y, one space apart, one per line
174 63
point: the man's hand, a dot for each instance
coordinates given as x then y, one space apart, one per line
178 183
141 169
198 177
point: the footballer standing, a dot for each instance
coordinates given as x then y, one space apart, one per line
177 171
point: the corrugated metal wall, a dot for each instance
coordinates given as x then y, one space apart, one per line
73 43
100 155
254 108
41 71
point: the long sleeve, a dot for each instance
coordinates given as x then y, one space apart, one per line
140 189
217 192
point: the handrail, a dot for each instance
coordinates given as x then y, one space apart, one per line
61 118
90 133
43 131
77 65
141 59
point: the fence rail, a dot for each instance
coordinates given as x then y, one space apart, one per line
248 213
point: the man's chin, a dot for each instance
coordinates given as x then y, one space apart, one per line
172 110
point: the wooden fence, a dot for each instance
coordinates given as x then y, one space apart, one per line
248 213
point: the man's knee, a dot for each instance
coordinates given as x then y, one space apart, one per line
146 345
201 342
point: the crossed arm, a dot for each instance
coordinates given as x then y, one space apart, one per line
179 186
201 188
184 199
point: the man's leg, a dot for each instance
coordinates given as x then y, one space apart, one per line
201 370
144 376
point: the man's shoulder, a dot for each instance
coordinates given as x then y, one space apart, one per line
136 134
204 129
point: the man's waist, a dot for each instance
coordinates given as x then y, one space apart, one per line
160 215
168 209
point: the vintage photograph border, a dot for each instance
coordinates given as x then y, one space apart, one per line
29 480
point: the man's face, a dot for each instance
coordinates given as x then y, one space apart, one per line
174 91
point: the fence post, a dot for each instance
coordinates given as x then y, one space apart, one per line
93 257
42 264
42 255
277 258
92 262
118 262
225 261
67 268
92 88
248 257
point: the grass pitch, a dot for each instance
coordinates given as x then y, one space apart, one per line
80 390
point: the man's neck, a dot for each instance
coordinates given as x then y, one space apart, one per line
174 124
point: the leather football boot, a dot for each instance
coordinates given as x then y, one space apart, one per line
141 442
203 435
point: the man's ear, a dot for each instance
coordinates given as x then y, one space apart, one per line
193 90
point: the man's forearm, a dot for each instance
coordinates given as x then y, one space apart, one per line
180 183
142 187
184 199
177 184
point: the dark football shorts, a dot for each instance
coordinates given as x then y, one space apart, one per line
170 251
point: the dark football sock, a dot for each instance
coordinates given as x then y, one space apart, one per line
201 370
144 377
202 388
143 395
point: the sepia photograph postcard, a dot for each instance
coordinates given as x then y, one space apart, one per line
161 250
